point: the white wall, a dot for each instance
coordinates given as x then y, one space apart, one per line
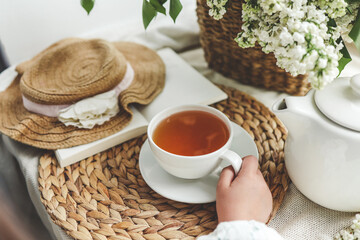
28 26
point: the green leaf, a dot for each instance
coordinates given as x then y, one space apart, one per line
158 6
87 5
148 13
175 8
349 10
346 58
355 33
352 1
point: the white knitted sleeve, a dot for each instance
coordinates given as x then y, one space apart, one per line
242 230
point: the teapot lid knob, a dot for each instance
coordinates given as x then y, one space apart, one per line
355 84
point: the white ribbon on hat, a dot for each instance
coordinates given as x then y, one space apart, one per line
87 112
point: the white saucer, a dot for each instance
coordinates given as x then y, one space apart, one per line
201 190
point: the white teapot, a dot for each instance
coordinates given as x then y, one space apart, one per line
322 150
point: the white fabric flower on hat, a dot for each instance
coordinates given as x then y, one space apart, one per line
91 111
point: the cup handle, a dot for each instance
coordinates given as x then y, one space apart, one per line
233 158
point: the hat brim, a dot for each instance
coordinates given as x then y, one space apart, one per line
49 133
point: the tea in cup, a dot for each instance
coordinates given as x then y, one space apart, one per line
190 141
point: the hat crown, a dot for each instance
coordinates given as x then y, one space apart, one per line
73 70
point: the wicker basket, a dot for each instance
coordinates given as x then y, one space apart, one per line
249 66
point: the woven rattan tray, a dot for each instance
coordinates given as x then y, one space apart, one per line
247 65
105 197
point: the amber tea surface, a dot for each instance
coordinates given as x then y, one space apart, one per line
191 133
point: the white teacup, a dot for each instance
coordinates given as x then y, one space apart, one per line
193 167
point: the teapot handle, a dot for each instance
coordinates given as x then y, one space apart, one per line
355 84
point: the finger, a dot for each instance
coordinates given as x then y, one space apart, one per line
226 177
250 165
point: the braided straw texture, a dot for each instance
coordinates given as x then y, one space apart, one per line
105 196
249 66
70 70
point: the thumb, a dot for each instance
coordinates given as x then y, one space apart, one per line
250 165
226 177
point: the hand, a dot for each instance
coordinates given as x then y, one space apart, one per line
245 196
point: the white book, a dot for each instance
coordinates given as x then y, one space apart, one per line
183 85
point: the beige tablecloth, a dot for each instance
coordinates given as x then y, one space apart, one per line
298 217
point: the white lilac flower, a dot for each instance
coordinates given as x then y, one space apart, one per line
271 6
350 233
217 8
299 38
345 23
333 8
297 32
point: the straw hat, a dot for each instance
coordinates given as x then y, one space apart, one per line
69 71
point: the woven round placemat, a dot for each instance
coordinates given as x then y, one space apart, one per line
105 196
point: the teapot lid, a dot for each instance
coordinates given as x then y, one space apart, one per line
340 102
